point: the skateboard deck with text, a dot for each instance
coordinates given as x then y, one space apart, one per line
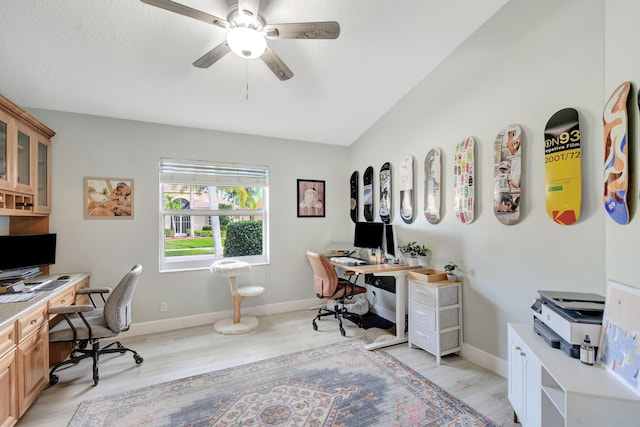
406 189
507 174
464 181
385 193
367 189
353 203
616 154
563 167
432 180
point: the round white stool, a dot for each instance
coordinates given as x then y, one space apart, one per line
237 325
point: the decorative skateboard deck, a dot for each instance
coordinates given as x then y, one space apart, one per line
432 179
507 174
353 203
616 150
385 193
406 189
367 179
563 168
463 180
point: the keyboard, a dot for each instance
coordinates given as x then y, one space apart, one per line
45 285
347 260
37 284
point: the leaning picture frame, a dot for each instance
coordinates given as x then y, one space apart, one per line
311 198
108 198
619 344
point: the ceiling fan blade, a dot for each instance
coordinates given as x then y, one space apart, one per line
187 11
276 65
303 30
251 6
213 56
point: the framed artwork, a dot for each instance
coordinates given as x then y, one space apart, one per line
619 348
108 198
311 198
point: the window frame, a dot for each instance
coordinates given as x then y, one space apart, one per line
216 174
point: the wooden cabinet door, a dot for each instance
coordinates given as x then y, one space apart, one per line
25 160
42 180
8 389
33 367
5 152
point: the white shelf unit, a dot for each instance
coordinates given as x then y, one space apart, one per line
548 388
435 316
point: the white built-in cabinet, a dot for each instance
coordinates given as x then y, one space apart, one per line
548 388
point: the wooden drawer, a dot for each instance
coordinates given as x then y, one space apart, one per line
32 322
64 299
82 284
7 338
82 299
428 340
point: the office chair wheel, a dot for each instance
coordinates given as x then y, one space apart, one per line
138 359
53 379
342 332
315 325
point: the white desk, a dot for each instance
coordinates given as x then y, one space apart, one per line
400 272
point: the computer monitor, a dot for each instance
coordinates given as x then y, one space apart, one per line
19 251
369 235
390 242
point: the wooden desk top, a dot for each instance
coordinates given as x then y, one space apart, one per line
12 311
375 268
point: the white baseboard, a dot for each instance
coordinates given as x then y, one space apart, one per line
165 325
469 352
486 360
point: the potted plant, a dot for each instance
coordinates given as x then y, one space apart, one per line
450 269
414 250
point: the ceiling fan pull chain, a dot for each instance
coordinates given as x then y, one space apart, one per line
246 96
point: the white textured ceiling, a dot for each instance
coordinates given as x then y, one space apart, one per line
126 59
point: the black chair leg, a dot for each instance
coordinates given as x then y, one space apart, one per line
94 353
119 348
96 356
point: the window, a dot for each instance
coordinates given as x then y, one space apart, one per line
211 210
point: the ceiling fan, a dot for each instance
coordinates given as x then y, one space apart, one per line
248 31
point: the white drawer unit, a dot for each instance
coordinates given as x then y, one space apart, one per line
435 316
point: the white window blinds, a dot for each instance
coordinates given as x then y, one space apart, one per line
210 173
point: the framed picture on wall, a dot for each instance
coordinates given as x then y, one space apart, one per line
619 347
108 198
311 198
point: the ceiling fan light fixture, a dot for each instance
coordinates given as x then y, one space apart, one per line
246 42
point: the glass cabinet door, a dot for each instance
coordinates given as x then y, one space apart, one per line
24 171
3 152
42 204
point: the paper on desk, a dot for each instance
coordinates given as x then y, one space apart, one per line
6 298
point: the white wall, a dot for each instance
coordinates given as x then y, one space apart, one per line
623 64
530 60
94 146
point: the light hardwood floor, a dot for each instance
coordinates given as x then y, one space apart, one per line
178 354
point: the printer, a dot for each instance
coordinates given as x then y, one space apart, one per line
563 319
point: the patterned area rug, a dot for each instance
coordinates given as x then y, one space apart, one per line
335 385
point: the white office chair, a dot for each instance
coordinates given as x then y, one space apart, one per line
87 327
